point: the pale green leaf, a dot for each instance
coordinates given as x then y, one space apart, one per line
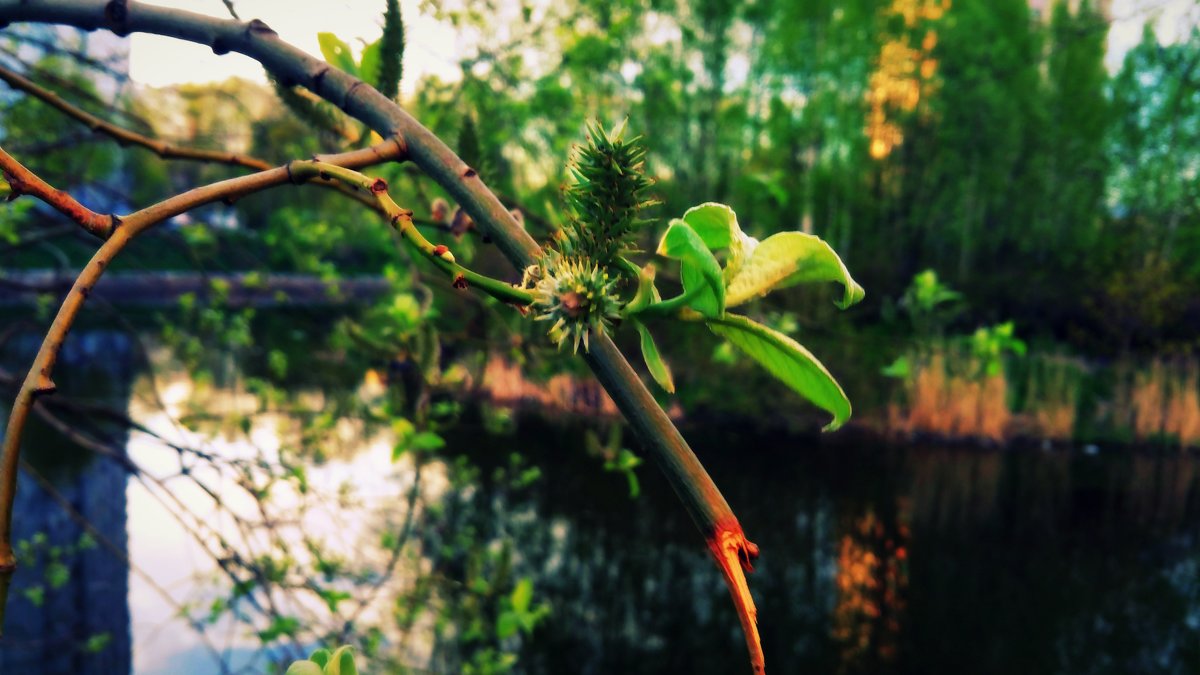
699 270
368 65
786 259
304 668
427 440
717 225
522 595
507 624
654 362
787 360
341 662
337 53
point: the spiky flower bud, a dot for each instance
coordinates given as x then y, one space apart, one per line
575 296
608 191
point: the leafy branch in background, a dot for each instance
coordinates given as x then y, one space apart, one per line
583 286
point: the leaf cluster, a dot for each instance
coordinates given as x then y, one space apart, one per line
752 269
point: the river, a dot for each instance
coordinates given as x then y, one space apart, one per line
876 558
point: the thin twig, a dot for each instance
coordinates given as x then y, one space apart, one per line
402 220
22 181
125 136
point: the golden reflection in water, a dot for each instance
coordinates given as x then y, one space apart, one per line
872 585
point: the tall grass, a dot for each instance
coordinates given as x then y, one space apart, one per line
1052 393
1160 401
949 393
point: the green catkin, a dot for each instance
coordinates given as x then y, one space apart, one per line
576 296
608 191
575 285
391 63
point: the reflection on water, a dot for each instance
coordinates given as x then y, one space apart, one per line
875 559
67 611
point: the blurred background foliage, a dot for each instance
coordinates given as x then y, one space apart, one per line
1025 221
985 141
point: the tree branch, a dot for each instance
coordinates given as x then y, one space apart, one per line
292 66
22 181
402 220
125 136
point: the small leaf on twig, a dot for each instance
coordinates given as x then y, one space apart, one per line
654 362
701 273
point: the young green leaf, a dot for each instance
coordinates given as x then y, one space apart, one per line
654 362
522 595
787 360
368 65
304 668
507 625
701 273
427 440
717 225
337 53
341 662
786 259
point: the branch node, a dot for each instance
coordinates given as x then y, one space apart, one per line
116 12
460 281
401 146
349 93
468 172
380 185
219 47
259 27
45 386
319 77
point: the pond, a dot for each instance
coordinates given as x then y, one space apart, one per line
875 558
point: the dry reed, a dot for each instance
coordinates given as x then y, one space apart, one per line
949 394
1160 400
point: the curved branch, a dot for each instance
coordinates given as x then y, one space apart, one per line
402 220
125 136
22 181
292 66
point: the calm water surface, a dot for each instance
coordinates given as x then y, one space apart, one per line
875 559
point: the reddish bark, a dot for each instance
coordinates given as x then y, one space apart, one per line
734 555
